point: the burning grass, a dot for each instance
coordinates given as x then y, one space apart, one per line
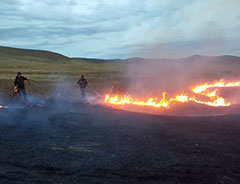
145 84
206 94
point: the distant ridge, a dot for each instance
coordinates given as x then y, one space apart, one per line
224 59
48 56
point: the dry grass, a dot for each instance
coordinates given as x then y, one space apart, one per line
47 69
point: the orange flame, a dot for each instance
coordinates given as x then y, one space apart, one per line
206 90
3 107
116 100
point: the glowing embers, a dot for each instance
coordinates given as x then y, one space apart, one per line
3 107
206 94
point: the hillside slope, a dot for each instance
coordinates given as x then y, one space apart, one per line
47 69
34 55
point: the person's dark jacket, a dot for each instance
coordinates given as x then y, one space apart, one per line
82 82
19 82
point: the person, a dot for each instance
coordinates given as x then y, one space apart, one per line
82 82
19 85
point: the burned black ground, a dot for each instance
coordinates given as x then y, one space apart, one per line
93 144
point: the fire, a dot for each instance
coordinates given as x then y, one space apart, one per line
3 107
116 100
207 90
220 84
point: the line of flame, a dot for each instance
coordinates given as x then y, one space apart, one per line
203 90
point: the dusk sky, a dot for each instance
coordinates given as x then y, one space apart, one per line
124 28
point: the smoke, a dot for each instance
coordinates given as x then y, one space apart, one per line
152 77
61 98
66 90
146 78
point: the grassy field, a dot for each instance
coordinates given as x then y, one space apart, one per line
47 69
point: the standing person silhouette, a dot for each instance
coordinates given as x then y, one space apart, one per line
19 85
82 82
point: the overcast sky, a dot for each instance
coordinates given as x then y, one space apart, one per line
122 28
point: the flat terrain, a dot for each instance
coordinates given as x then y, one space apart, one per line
80 143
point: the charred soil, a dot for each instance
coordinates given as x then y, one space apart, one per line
81 143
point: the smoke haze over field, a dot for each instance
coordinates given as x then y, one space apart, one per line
153 77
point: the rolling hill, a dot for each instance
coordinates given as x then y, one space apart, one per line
33 55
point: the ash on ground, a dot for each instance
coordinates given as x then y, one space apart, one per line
81 143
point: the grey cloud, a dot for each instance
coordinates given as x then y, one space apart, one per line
32 32
122 28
